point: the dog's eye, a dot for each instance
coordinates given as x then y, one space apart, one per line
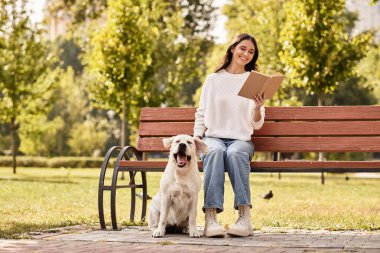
189 142
177 141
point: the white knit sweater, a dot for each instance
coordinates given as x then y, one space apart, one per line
224 114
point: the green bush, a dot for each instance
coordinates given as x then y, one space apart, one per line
54 162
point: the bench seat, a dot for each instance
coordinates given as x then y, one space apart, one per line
271 166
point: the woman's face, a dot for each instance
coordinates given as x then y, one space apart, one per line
243 52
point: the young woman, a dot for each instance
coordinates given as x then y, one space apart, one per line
226 121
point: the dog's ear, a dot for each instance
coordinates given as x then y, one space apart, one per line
167 142
200 145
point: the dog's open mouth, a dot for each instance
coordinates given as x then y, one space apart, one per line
182 159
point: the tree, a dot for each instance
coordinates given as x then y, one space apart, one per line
318 53
120 52
173 43
24 62
47 133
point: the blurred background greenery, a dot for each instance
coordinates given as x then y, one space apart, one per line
73 84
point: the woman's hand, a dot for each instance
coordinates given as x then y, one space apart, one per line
259 100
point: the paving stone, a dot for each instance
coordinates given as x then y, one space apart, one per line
138 239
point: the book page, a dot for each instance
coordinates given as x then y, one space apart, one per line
271 86
254 83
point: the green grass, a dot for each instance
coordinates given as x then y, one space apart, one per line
39 199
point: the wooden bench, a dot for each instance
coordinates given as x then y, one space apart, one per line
286 129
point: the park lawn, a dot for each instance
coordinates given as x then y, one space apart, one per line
39 199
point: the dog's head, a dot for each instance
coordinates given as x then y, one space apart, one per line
184 148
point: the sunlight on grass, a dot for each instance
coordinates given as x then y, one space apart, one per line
37 199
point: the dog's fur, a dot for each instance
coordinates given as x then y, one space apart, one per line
174 207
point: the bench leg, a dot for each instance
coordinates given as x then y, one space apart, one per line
102 187
113 198
145 195
133 195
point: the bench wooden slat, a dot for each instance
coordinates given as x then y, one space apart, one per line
330 128
290 166
333 113
291 144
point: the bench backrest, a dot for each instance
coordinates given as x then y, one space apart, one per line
286 129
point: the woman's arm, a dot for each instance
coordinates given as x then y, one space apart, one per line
258 112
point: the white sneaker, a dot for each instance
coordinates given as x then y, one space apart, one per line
212 228
243 226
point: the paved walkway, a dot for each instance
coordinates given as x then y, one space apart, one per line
138 239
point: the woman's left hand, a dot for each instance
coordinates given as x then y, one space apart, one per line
259 100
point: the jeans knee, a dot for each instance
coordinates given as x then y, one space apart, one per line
216 151
235 155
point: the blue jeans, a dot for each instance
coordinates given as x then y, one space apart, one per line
229 155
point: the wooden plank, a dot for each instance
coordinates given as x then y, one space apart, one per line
291 144
180 114
319 128
271 166
317 144
165 129
329 128
333 113
324 113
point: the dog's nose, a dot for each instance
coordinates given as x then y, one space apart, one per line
182 147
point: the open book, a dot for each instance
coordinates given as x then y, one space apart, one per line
259 84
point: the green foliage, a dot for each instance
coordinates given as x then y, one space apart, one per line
38 134
120 52
317 51
88 138
70 53
79 10
369 70
24 60
149 54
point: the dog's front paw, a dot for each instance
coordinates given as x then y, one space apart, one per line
195 233
158 233
185 230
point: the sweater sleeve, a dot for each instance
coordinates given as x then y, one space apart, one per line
257 125
199 124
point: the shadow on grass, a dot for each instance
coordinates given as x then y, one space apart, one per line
42 180
21 230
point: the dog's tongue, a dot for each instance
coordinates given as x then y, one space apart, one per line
181 159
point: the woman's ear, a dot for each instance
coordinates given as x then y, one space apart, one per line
167 142
200 145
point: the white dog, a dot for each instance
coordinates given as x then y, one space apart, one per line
174 207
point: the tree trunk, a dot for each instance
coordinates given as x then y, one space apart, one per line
321 155
123 120
122 141
13 144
